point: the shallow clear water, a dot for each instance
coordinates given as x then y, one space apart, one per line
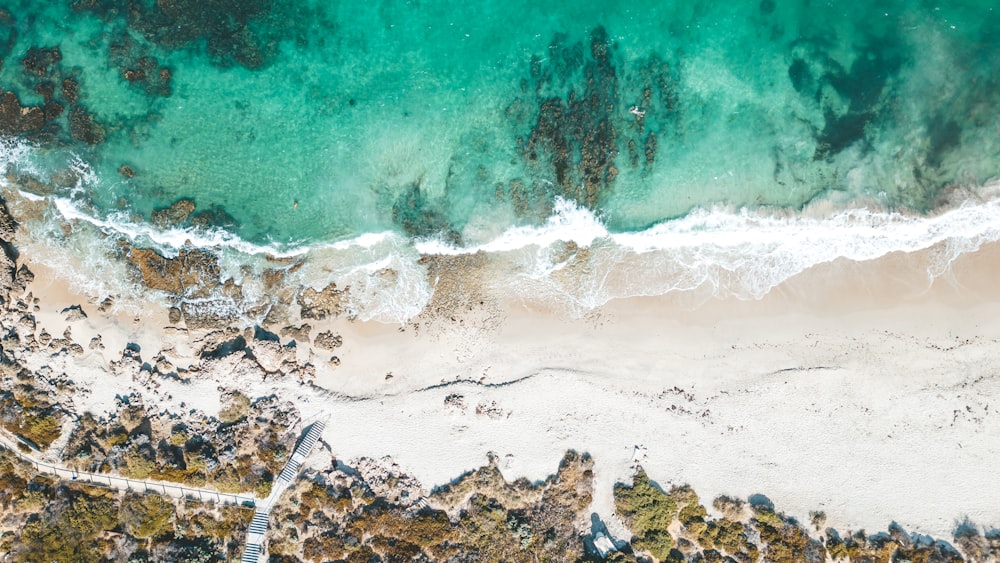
301 123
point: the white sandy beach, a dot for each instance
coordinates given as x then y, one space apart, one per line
854 389
857 389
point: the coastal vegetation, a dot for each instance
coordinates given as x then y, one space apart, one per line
43 519
671 525
27 409
374 512
240 450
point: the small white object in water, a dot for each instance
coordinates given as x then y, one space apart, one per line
634 110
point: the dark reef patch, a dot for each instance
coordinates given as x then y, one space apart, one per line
16 118
83 127
577 134
420 216
137 67
226 29
40 61
591 108
41 72
945 135
852 98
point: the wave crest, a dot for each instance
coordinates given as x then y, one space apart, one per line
572 259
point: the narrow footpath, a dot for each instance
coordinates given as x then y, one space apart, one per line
166 488
256 548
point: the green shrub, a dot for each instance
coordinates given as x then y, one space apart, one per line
178 439
137 466
236 410
147 516
649 511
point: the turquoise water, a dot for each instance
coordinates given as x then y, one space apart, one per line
319 121
719 145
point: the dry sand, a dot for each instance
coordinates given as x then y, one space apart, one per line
862 390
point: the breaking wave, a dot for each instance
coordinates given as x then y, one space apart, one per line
572 259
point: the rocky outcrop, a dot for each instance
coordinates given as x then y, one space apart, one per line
297 333
174 215
272 356
321 304
328 340
74 313
192 273
8 256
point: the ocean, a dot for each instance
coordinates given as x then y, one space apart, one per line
593 150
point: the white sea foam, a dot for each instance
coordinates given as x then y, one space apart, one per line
16 154
743 253
568 223
728 252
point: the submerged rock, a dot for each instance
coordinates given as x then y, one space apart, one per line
71 89
40 60
16 118
138 68
577 137
213 216
83 126
227 31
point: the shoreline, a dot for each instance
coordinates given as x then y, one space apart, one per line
800 396
780 397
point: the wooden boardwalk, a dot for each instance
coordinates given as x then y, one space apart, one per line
257 532
117 482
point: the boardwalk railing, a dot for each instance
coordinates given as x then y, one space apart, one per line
125 484
257 532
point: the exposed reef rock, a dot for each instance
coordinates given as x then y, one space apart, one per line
297 333
9 254
174 215
193 273
321 304
328 340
